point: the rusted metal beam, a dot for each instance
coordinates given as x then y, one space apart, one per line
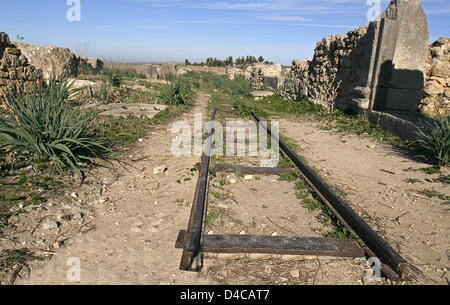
192 240
378 247
317 246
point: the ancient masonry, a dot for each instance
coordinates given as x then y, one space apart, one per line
436 95
386 66
15 70
24 65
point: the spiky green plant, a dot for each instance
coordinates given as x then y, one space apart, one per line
434 140
40 123
178 92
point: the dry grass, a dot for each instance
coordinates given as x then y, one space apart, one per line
267 270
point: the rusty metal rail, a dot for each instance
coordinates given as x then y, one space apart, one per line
367 242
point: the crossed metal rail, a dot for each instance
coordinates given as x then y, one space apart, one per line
366 242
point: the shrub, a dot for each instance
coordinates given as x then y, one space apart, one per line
241 86
41 124
434 140
178 92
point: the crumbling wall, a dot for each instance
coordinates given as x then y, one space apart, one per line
15 70
436 95
262 76
337 57
60 61
379 67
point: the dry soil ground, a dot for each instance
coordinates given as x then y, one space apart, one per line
137 215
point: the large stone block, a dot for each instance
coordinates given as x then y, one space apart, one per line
403 99
49 60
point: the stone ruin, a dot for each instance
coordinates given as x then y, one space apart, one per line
23 66
160 71
15 70
393 67
60 61
436 95
262 76
384 69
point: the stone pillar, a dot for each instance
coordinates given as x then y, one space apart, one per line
394 63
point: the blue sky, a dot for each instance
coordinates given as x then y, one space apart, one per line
172 30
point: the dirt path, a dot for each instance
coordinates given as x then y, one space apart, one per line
136 228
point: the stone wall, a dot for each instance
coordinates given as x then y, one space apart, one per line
436 95
337 57
15 70
379 67
262 76
60 61
160 71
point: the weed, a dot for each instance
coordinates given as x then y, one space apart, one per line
216 195
11 258
311 204
443 179
179 92
412 180
289 177
434 140
43 126
433 194
238 221
210 218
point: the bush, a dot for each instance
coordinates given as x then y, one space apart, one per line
241 86
434 140
41 124
178 92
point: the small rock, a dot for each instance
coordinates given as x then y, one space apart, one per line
233 181
74 195
49 225
153 230
295 273
156 223
101 201
274 234
141 140
210 232
136 229
60 214
248 177
242 233
56 245
159 170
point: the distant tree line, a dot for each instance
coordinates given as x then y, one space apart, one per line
240 61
